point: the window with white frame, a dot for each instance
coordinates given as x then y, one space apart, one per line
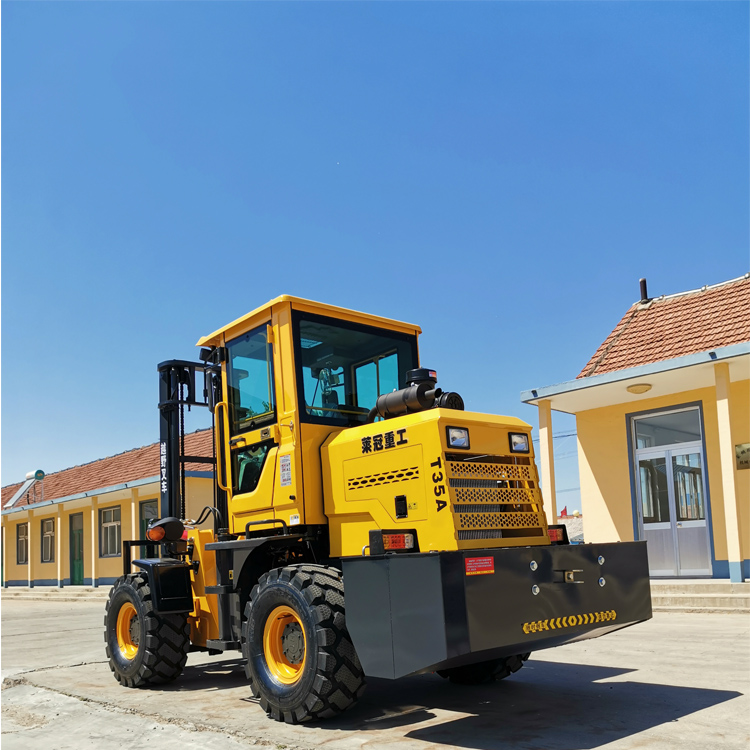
109 532
22 543
48 540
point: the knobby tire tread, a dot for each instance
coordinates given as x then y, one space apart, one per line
167 639
339 679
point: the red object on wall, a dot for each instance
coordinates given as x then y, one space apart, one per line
564 512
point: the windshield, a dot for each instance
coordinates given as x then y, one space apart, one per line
344 367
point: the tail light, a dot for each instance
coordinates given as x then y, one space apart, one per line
558 534
393 542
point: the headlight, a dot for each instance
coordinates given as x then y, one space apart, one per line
519 442
458 437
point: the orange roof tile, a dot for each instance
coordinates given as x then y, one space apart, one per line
139 463
677 325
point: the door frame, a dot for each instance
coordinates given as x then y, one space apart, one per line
667 452
71 551
636 508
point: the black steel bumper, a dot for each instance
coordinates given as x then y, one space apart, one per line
411 613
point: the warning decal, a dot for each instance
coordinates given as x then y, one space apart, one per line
286 470
480 566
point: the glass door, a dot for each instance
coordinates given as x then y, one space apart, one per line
671 493
691 527
656 517
76 549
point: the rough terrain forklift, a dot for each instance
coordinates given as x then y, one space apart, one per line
364 524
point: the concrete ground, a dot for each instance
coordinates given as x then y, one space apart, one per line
677 681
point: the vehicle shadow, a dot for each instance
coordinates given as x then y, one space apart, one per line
553 705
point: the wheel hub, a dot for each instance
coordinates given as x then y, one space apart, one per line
135 631
284 645
128 630
293 643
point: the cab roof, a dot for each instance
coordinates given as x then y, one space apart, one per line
255 317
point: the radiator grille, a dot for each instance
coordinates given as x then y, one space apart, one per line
469 535
491 483
484 534
385 477
486 470
467 508
497 520
515 497
495 497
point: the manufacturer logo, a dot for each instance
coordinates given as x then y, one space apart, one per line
385 440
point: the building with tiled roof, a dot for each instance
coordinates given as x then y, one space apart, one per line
132 465
663 420
656 330
66 528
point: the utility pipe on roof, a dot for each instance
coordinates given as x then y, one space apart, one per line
31 479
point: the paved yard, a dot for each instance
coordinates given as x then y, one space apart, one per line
678 681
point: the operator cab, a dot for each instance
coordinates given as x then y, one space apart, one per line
343 368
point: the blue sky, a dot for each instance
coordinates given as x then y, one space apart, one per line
501 173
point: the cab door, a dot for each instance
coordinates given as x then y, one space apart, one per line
252 441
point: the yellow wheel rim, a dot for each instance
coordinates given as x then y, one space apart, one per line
285 645
127 621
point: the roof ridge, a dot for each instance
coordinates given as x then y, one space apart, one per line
688 323
634 309
704 288
103 458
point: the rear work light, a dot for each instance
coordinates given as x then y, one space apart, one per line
392 542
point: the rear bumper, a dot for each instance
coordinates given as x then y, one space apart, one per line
422 612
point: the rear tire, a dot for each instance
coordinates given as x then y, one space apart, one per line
143 648
484 672
300 660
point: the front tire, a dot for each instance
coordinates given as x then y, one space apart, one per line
143 648
299 657
484 671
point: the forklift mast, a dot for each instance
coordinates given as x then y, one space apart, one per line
178 388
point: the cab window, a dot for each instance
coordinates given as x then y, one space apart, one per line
344 367
376 377
247 466
250 377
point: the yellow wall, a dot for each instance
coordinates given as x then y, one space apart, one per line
199 493
604 468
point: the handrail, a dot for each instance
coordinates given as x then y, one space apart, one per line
219 453
266 520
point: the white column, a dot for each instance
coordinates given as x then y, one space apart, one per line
134 532
58 545
5 555
727 455
94 540
547 459
31 552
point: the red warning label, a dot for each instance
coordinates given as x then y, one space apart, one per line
480 566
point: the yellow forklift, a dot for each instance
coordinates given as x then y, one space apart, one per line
364 524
